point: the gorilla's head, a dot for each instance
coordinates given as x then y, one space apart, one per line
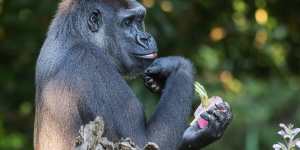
117 28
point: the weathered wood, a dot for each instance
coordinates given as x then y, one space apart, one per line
90 138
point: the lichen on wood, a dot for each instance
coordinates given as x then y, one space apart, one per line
91 138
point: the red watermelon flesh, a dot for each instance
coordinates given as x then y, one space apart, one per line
201 122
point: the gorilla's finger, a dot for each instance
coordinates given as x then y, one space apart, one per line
221 106
157 89
210 111
227 120
147 78
227 106
224 107
152 70
150 80
208 117
153 86
213 123
229 116
148 84
220 116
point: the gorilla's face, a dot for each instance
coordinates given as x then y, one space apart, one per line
119 30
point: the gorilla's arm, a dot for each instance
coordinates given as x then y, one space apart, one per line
169 119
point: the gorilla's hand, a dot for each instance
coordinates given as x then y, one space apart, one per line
218 119
157 73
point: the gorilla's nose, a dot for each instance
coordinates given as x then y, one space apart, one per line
144 39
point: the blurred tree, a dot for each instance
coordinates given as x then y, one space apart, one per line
245 51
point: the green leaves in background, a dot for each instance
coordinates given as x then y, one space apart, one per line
245 51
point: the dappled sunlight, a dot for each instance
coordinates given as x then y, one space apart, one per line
261 16
148 3
247 52
166 6
230 83
217 34
278 53
261 38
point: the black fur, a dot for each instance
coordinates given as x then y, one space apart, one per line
91 45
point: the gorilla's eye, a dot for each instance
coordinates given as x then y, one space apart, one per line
127 22
140 19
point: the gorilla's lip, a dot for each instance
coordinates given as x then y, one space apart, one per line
148 56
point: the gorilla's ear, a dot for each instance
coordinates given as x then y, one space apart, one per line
95 20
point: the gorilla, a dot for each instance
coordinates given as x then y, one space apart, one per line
91 46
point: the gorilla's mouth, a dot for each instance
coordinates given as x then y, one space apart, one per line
148 56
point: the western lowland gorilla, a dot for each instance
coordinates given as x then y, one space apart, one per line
90 47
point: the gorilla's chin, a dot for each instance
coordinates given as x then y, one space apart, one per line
146 63
141 65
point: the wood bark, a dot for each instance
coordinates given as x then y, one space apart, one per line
91 138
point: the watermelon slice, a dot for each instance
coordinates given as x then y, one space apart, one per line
201 122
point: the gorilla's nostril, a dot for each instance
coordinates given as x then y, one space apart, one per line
143 39
147 37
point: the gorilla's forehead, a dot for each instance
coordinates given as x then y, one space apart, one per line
117 4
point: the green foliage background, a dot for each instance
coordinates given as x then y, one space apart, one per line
246 51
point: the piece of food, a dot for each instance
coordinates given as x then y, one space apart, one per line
206 104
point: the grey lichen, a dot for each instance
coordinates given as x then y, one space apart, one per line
91 138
